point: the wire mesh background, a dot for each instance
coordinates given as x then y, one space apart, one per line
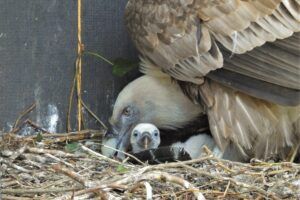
38 41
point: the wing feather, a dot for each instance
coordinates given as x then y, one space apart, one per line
252 123
194 38
180 37
276 63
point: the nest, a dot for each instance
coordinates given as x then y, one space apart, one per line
68 166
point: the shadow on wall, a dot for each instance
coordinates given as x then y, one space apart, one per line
38 41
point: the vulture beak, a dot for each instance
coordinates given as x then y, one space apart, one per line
122 140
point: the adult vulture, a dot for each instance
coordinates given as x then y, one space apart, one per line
235 60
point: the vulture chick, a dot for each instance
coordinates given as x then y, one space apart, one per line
145 141
143 137
236 60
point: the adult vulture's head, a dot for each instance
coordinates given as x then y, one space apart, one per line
152 100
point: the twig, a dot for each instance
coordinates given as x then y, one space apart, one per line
198 172
39 190
32 163
179 163
224 167
23 113
74 137
69 128
36 127
59 160
102 188
35 158
99 56
244 185
63 137
17 167
93 115
149 193
57 153
71 174
226 190
17 153
127 154
99 156
88 133
252 188
165 177
85 195
5 184
9 197
92 185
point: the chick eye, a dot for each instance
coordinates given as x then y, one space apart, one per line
135 133
155 133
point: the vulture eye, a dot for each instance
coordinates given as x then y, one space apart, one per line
155 133
126 111
135 133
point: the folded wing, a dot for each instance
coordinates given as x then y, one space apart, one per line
189 39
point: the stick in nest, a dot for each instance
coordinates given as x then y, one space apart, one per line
17 167
149 193
162 176
92 186
127 154
17 153
57 153
98 155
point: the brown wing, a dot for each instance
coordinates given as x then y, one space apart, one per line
258 128
170 35
181 37
270 72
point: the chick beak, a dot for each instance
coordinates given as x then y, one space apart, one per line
146 140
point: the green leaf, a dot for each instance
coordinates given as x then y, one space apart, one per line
39 137
121 169
72 147
123 66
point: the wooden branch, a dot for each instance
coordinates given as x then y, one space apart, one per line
59 160
17 167
57 153
40 190
61 169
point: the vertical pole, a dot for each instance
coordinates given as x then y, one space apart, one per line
78 66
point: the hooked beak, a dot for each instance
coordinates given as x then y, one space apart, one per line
123 140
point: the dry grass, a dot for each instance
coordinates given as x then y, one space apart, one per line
44 170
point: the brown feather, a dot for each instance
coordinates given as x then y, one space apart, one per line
257 127
179 36
182 39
